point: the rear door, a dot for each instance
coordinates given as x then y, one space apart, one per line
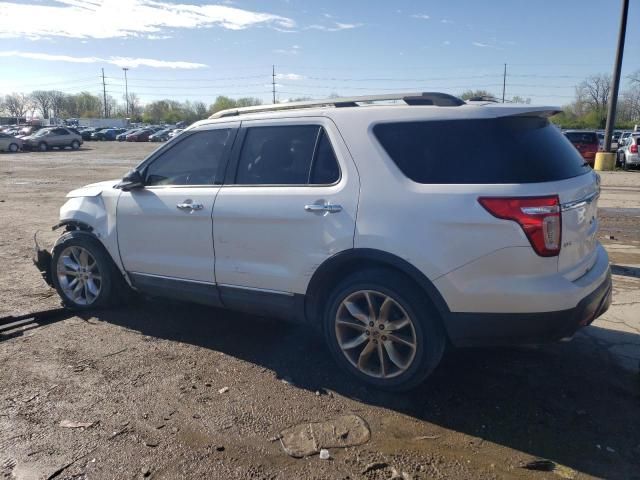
288 204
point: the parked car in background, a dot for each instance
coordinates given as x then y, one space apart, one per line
310 213
160 136
140 136
121 137
55 137
27 131
108 134
175 131
9 143
87 132
628 155
587 143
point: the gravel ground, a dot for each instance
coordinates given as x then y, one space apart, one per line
169 390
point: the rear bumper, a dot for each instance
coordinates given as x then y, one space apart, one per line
492 329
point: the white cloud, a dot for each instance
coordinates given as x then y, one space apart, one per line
123 18
336 27
294 50
421 16
485 45
445 21
289 76
119 61
446 42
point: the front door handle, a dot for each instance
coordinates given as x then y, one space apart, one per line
190 206
326 207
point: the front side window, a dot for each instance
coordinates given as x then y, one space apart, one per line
196 160
287 155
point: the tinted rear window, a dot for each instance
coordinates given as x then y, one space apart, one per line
583 137
501 150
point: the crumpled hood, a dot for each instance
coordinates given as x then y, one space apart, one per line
93 189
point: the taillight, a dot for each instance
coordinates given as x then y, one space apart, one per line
539 218
633 148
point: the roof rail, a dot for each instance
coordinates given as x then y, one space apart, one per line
424 98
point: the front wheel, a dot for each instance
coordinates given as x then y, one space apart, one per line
13 148
75 145
380 329
83 273
43 147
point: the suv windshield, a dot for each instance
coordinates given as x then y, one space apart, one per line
499 150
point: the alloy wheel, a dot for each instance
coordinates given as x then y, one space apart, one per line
376 334
79 275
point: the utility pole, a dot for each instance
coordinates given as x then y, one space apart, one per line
273 82
126 89
615 80
104 94
504 81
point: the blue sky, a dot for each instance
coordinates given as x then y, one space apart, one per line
197 49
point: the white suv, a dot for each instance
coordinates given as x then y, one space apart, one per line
395 228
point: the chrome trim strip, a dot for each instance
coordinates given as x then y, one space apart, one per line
177 279
254 289
581 202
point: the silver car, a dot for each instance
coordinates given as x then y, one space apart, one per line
9 143
628 152
48 138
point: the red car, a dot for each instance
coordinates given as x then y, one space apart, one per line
587 143
140 136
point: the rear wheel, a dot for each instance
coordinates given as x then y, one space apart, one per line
13 148
379 328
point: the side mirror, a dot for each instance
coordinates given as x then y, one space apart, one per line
133 179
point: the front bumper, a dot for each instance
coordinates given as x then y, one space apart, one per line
492 329
42 261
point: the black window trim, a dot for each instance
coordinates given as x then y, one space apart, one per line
143 166
234 163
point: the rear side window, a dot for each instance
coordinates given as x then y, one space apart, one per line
500 150
582 137
287 155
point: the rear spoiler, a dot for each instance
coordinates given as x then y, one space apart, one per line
511 110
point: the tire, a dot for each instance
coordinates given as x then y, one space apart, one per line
13 148
75 145
43 147
348 337
100 280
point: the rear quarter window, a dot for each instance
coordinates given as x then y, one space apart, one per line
499 150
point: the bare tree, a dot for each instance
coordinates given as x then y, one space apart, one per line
57 102
594 91
135 107
200 110
42 101
17 104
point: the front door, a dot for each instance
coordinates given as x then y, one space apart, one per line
165 228
289 202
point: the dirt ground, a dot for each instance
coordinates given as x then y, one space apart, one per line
170 390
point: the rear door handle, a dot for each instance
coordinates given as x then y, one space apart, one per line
190 206
327 207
